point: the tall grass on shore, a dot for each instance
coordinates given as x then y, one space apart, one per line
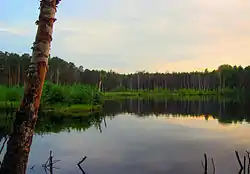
54 94
70 94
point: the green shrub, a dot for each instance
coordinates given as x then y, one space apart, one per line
53 94
80 95
12 95
96 99
70 94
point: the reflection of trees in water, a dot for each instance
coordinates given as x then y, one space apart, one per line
52 122
225 112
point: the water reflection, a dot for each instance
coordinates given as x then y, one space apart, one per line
132 145
224 111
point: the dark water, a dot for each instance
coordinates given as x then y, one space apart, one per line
145 137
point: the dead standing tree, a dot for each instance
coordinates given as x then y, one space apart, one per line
18 146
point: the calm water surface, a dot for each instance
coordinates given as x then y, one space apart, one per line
147 143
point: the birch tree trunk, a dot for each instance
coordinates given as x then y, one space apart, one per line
100 86
18 147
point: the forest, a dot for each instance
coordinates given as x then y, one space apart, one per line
61 96
61 72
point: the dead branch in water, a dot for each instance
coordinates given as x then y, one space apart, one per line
5 140
2 147
204 165
248 166
213 165
49 165
239 161
244 165
79 164
50 162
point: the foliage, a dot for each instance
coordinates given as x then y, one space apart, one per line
52 94
61 72
56 122
177 94
70 94
10 94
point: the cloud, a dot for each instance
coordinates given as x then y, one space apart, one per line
13 31
162 35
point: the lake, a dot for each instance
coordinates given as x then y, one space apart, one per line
146 137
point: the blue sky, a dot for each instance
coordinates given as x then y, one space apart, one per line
134 35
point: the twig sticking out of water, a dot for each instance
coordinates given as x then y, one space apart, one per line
32 168
2 147
239 161
248 166
244 164
213 165
79 164
51 162
49 165
105 123
204 165
5 140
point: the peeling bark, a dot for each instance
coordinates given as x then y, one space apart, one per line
18 148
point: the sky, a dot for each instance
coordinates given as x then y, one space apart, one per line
136 35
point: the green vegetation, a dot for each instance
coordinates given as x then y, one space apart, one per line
70 94
10 94
53 121
180 94
226 81
76 98
63 72
57 122
63 98
74 110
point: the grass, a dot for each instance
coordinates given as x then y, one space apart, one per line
75 98
10 94
180 94
67 110
8 104
80 98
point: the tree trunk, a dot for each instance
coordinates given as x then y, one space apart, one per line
100 86
9 75
18 148
138 81
57 76
18 74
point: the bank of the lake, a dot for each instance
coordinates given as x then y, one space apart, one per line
179 132
64 109
180 94
73 110
69 99
81 99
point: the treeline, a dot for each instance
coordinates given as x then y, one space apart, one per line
13 68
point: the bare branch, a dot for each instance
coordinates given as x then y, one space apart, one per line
213 165
238 158
205 156
80 162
